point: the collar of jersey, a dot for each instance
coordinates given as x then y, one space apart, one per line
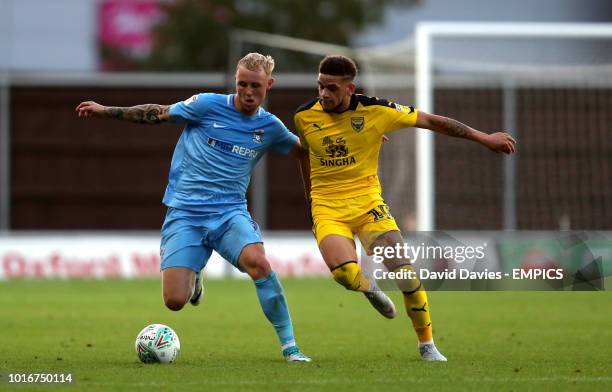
352 106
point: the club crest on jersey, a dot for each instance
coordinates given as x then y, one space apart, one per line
258 135
357 123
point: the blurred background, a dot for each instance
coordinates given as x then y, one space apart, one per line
61 173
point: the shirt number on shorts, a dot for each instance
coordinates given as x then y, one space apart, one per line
380 212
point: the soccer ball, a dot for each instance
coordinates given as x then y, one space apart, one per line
157 343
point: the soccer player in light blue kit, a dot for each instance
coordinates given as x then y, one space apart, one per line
224 137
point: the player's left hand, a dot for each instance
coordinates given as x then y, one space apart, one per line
500 142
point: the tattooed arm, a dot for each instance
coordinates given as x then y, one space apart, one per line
142 114
497 142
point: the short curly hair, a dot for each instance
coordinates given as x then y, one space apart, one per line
338 65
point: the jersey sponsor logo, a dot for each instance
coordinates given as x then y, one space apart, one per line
357 123
191 100
258 135
232 148
403 109
337 162
217 125
337 150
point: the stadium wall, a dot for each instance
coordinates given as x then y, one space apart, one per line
70 174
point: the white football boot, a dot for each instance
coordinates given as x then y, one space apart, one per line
429 352
381 302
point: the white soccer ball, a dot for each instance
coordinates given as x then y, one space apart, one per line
157 343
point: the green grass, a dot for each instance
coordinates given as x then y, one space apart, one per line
494 340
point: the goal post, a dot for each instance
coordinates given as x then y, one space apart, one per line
551 83
425 35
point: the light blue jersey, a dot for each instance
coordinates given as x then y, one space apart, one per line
214 157
206 195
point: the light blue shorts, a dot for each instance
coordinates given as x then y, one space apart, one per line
189 237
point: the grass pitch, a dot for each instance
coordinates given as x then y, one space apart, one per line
494 340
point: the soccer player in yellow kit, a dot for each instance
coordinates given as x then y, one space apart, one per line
343 133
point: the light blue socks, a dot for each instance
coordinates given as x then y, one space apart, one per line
274 305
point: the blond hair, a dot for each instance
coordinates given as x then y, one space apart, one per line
257 61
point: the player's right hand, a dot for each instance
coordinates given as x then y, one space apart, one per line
89 109
501 142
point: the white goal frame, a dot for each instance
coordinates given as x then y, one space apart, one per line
425 34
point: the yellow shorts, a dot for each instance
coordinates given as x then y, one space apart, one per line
366 216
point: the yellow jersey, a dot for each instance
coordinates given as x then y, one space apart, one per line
344 147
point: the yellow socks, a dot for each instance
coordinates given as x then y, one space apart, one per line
417 306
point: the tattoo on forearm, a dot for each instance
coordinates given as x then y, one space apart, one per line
454 128
142 114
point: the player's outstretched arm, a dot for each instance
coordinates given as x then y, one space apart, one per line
141 114
497 142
